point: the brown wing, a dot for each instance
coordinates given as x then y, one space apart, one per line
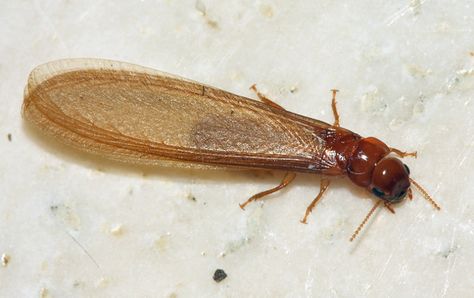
135 114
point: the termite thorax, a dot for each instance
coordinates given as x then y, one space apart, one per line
361 163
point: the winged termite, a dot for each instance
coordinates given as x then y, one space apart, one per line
136 114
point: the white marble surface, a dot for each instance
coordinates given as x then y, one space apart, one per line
73 225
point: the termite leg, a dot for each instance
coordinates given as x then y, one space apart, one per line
334 107
265 99
403 153
324 186
286 180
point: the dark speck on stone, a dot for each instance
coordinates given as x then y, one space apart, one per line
219 275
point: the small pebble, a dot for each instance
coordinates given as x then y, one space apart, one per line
219 275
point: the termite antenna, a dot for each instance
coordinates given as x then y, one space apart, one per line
359 228
425 194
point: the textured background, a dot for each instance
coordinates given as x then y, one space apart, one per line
75 225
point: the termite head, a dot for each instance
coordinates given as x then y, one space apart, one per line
390 180
384 176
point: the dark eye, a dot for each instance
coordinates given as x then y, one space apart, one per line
402 194
406 168
377 192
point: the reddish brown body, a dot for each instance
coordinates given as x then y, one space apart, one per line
136 114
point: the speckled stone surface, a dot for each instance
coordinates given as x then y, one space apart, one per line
74 225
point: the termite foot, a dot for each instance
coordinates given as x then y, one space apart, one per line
334 108
265 99
403 154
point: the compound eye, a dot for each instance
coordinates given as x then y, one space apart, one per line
378 192
406 168
402 194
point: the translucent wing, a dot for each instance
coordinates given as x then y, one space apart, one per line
135 114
